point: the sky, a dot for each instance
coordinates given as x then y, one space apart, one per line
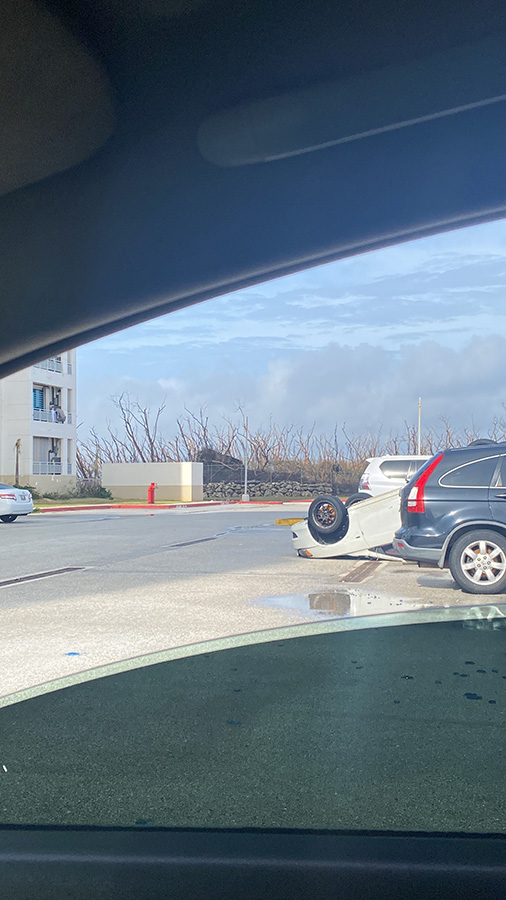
349 344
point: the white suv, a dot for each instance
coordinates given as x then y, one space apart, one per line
384 473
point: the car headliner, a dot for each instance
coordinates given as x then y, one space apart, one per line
114 212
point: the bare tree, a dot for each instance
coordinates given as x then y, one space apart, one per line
273 448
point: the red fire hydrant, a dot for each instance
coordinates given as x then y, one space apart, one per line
151 492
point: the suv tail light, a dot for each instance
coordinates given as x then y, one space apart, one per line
416 498
364 484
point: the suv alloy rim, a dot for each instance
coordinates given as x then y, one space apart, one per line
483 561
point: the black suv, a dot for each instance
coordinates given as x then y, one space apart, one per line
453 514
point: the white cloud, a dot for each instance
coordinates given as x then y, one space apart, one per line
355 341
364 387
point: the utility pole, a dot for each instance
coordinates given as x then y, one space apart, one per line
245 496
419 426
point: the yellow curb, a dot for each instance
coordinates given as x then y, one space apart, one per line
288 521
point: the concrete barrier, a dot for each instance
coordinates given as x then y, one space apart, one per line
175 481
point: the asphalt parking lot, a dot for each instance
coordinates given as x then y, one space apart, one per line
130 582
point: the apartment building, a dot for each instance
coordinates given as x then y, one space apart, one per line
38 425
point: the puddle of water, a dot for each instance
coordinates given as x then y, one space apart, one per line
341 603
335 602
247 529
328 603
234 529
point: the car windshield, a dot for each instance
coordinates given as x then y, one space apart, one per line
209 618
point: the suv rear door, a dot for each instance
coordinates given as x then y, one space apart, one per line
458 491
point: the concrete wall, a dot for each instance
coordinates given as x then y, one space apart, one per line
15 424
45 484
176 481
51 484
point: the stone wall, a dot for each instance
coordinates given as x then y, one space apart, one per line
288 489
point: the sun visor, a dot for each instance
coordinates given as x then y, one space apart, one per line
55 103
461 79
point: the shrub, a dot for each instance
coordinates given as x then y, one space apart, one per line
28 487
59 495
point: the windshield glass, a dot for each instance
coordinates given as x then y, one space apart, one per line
199 477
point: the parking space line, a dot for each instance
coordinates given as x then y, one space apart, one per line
23 578
191 543
360 573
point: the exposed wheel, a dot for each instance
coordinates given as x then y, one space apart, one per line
478 562
8 519
356 498
327 514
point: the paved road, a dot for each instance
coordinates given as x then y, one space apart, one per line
155 580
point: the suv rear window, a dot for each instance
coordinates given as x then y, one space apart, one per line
476 474
395 468
500 480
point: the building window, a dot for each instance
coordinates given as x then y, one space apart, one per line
38 397
47 456
69 457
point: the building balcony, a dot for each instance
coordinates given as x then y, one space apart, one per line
47 468
51 365
48 415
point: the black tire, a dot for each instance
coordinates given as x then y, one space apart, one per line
357 498
327 514
473 555
8 519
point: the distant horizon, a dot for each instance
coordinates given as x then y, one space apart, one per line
353 342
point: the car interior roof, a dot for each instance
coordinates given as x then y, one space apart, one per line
157 153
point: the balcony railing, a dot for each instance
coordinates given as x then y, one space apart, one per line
42 415
52 365
46 468
47 415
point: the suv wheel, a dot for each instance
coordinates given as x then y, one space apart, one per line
478 562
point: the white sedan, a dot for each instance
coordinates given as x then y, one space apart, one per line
333 530
14 502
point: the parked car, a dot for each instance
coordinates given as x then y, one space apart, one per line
14 502
453 515
384 473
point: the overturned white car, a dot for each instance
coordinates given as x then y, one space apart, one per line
365 529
